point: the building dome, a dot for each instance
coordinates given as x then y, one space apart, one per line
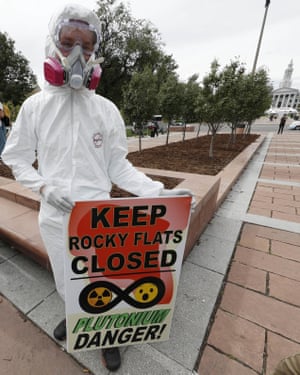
286 97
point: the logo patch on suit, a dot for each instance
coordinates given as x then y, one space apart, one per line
98 140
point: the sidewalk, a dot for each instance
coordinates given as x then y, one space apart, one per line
258 316
252 244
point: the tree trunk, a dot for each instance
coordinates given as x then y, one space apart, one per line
232 137
183 132
198 132
140 130
168 132
211 147
248 128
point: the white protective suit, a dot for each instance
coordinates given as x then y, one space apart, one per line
81 147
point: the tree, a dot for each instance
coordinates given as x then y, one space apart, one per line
232 96
170 99
246 96
128 45
140 99
191 91
259 98
233 90
210 101
16 78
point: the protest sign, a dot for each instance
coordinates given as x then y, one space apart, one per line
122 268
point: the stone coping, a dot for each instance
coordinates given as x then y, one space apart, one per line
15 192
205 189
19 206
14 196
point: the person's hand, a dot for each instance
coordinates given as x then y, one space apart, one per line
174 192
56 198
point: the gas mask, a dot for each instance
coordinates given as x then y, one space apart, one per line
73 70
72 43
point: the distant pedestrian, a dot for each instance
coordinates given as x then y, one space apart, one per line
281 124
156 127
6 119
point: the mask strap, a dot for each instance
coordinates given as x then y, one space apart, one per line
63 59
91 61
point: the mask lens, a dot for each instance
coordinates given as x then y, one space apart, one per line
72 33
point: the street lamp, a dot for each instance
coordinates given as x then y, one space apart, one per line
260 36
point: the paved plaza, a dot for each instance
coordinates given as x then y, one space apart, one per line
237 310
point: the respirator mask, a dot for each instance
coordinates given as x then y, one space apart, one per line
75 43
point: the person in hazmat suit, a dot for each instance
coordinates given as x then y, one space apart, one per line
78 138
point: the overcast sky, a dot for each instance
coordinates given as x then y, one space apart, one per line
194 31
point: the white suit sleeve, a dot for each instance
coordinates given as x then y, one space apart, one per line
122 172
20 150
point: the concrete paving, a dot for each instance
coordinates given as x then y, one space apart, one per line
257 317
233 300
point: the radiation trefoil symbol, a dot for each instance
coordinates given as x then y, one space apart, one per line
102 296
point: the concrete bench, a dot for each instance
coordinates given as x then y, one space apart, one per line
19 220
20 206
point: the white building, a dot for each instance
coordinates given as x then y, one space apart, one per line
285 97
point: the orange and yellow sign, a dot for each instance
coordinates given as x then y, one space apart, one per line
122 268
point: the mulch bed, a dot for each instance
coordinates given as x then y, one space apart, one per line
190 156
